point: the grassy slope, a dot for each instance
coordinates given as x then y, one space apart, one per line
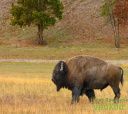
81 23
69 37
27 88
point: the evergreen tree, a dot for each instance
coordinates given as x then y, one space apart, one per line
41 13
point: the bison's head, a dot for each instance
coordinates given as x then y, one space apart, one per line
59 74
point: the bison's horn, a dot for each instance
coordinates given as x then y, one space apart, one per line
62 66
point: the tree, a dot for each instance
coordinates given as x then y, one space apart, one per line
108 11
41 13
116 12
121 11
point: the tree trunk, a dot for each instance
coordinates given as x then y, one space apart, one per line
117 41
40 40
117 35
115 27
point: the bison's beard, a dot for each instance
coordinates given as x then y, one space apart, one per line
58 88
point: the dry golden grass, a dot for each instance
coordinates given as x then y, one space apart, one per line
34 93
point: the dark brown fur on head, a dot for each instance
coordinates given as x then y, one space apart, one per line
59 75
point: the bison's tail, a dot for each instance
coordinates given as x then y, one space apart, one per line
122 73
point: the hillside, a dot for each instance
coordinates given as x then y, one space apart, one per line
81 23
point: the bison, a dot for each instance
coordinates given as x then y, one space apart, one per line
83 74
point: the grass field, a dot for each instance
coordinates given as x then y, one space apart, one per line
101 50
26 88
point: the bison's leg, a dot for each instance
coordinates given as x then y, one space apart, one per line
90 94
116 91
75 94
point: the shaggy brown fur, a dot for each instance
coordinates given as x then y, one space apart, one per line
83 74
77 67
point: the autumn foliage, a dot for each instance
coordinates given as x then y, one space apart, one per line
121 11
116 12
